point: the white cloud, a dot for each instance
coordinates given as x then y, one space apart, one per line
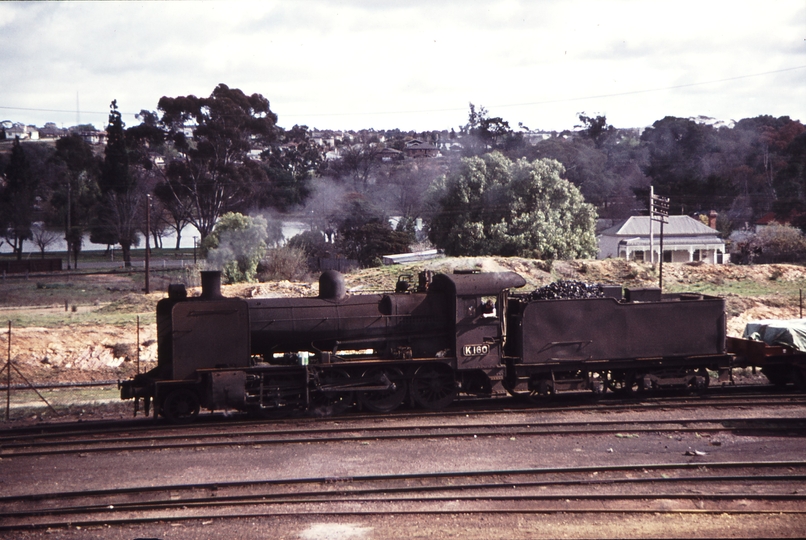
413 65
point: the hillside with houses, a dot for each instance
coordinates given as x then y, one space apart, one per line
736 190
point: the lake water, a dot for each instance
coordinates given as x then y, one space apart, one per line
290 229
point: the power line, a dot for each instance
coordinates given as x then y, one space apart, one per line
566 100
453 109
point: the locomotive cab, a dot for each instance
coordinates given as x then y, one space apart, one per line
479 310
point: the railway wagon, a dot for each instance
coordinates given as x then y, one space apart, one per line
446 335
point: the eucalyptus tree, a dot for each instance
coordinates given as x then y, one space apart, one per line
212 171
75 191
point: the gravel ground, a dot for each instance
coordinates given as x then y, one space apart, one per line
343 459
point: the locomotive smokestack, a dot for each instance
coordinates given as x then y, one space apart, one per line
211 284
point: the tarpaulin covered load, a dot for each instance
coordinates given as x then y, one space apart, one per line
791 333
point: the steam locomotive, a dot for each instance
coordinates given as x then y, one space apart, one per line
434 339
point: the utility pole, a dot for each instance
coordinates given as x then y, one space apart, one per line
651 225
69 204
658 211
148 238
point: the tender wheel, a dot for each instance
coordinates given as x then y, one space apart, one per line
703 379
777 375
622 382
181 406
545 387
386 400
327 403
518 388
433 386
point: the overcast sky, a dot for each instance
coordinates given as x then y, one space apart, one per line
410 64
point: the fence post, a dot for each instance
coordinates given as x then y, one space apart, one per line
8 375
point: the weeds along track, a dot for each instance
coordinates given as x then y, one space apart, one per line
668 488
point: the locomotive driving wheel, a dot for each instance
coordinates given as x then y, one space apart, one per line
328 400
433 386
391 393
180 406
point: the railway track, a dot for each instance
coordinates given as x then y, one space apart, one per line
35 446
750 396
665 488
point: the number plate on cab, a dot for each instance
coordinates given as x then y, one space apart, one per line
475 350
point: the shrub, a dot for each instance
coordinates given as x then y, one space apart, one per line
778 243
283 263
236 245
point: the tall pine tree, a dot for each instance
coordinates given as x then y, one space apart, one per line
120 209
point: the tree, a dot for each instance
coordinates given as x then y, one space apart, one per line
596 129
213 173
76 192
364 232
606 174
490 205
685 164
17 199
403 186
358 162
236 246
121 204
791 183
484 133
290 167
312 243
42 237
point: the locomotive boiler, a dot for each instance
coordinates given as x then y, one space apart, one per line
433 339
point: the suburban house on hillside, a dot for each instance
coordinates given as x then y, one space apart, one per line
417 148
771 218
685 239
390 154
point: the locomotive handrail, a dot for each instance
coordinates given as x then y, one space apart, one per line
557 343
196 313
269 322
342 318
570 359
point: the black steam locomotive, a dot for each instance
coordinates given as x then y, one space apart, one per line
446 335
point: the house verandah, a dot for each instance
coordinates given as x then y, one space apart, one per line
684 240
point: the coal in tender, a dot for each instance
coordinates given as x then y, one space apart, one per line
567 290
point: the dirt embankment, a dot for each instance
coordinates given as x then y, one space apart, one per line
92 351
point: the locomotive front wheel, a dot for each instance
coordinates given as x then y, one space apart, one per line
433 386
181 406
389 399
